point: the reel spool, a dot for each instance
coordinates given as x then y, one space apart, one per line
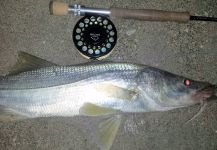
94 36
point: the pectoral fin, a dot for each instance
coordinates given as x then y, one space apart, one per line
8 114
89 109
115 91
27 62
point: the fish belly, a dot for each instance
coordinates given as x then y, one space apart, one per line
65 100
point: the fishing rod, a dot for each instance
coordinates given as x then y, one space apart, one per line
95 36
59 8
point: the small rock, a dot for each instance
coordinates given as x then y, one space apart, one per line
130 32
180 60
206 13
186 30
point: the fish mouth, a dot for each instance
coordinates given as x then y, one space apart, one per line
204 93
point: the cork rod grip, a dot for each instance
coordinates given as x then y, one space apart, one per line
150 15
58 8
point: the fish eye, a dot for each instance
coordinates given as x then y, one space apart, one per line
187 82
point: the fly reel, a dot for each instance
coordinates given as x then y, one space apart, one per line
94 36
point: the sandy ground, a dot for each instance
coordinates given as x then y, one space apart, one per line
186 49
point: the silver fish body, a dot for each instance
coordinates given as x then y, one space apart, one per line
106 89
62 91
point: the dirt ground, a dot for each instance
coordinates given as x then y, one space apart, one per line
188 49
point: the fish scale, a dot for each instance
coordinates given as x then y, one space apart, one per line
57 75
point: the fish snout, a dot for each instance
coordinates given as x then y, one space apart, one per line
204 93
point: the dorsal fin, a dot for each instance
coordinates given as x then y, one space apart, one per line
27 62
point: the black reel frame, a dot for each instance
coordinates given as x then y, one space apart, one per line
94 36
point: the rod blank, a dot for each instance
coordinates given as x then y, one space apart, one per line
202 18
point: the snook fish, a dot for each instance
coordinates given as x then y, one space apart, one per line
97 89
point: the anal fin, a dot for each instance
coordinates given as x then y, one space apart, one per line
105 130
8 114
